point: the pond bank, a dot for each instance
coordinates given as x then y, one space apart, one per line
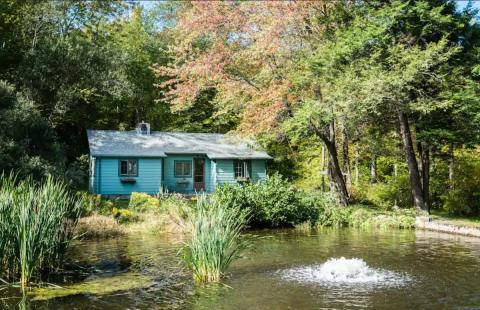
446 226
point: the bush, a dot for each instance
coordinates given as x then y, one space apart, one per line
335 216
90 202
76 175
464 198
142 202
363 217
273 203
169 201
389 194
124 215
215 239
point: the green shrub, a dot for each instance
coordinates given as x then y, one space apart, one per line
124 215
215 239
464 198
335 216
272 203
393 192
364 217
90 202
171 200
143 202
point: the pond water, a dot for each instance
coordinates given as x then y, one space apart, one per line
329 269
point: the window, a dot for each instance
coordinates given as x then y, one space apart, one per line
241 168
183 168
128 168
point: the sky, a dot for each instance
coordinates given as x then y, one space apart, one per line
148 4
461 4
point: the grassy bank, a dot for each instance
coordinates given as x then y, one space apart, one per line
457 220
361 216
272 204
141 214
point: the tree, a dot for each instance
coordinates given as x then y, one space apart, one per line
248 52
395 67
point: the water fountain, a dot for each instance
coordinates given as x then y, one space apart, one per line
344 271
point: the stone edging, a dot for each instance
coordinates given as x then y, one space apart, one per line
425 222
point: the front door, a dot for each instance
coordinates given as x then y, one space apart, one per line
199 174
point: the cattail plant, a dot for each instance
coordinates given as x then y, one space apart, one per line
37 222
215 239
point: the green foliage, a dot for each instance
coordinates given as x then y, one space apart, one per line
124 215
363 217
76 175
37 224
273 203
25 139
171 200
215 239
91 203
72 65
386 195
464 197
142 202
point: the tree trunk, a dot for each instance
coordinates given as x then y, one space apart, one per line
424 154
327 135
415 180
331 182
373 170
395 172
346 163
426 176
451 158
356 169
323 168
337 182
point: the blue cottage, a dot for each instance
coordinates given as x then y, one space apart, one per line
122 162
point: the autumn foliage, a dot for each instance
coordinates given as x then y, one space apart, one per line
246 51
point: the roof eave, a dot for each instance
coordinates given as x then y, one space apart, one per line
241 157
127 155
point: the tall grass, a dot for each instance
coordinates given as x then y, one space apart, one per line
37 223
215 239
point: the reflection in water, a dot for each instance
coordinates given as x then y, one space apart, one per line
398 269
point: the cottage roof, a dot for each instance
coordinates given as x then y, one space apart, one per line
160 144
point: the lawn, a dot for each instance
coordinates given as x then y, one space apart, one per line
458 220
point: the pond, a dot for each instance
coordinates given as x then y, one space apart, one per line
395 269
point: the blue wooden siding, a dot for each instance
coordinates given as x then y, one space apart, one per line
225 172
147 181
211 168
185 184
106 180
259 170
209 183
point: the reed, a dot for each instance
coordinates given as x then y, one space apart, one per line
37 224
215 239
